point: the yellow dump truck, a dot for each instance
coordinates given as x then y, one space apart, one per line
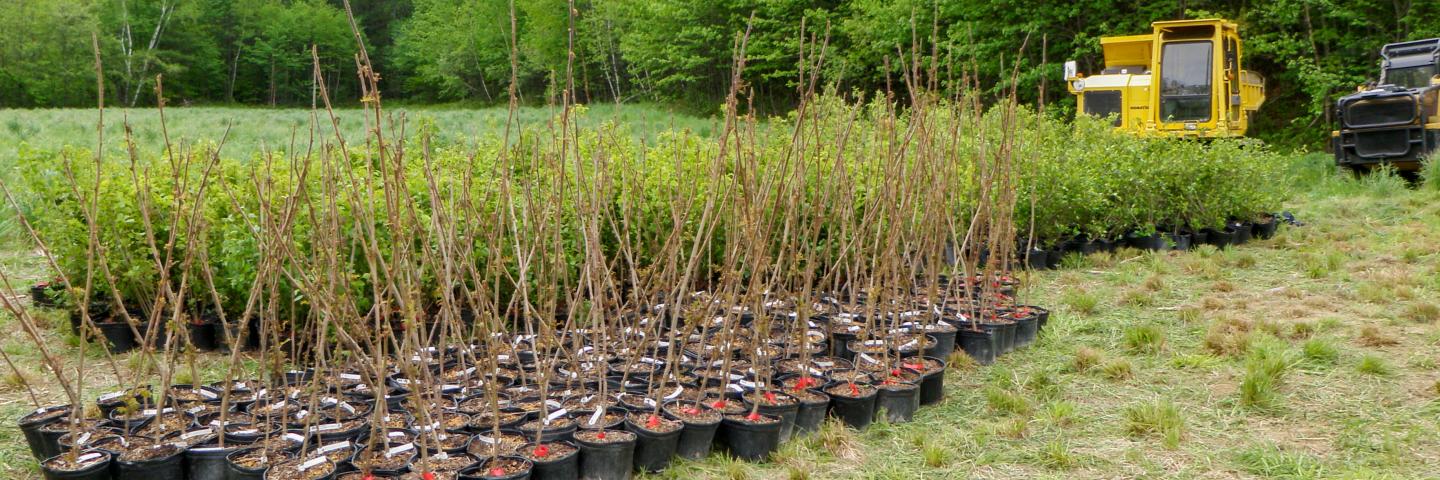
1181 80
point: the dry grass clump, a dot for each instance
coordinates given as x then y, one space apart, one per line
1423 312
1228 336
1373 336
1086 358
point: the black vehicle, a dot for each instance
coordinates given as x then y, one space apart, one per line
1395 122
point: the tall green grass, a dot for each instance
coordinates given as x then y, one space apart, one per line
253 130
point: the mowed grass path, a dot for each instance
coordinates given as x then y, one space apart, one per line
1315 354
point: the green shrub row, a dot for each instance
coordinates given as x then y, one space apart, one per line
1078 178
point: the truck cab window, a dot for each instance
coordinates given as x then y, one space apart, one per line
1185 81
1410 77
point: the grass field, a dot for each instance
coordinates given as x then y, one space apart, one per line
253 130
1315 354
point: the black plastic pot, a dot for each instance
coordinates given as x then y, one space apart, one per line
1180 241
97 471
1026 329
478 472
979 345
932 385
1243 231
563 468
898 401
944 344
169 467
118 337
236 472
1038 259
786 413
1007 330
751 441
607 461
696 438
1220 238
811 414
857 412
208 462
653 449
1265 230
42 446
546 435
1053 257
204 335
1152 242
840 345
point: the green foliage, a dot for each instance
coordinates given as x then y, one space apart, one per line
258 51
1374 365
1049 177
1160 419
1144 338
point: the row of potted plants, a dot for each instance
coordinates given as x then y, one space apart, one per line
583 404
1235 232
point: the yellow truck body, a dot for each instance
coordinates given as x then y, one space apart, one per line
1181 80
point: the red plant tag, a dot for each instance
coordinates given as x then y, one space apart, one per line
803 383
542 451
600 435
754 417
691 411
431 475
653 421
896 372
854 390
368 477
497 472
770 397
718 404
915 366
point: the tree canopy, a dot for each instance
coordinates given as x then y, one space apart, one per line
675 51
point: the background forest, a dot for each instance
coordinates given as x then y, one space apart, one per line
256 52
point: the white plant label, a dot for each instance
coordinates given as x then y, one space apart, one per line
347 407
867 358
111 396
194 434
83 438
558 413
195 410
349 376
334 447
674 394
854 328
295 437
399 450
327 427
207 393
89 456
487 440
395 434
736 388
595 418
825 364
248 431
312 463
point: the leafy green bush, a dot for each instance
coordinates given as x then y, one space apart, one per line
1080 179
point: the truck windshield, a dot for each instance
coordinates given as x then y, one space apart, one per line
1185 81
1410 77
